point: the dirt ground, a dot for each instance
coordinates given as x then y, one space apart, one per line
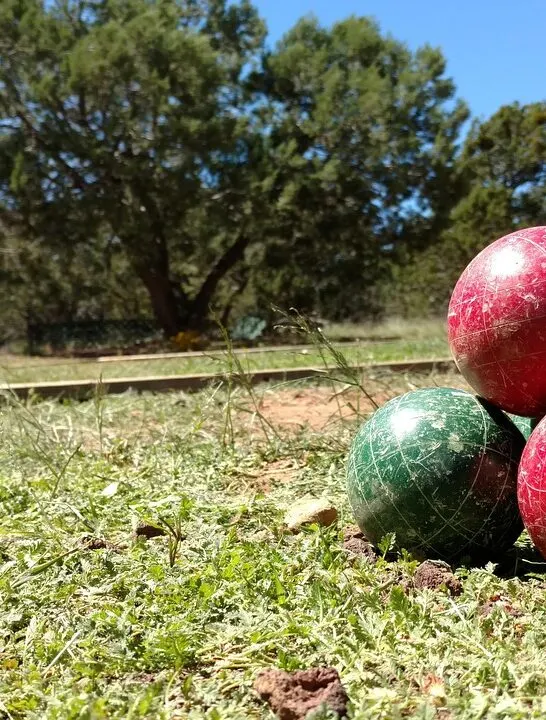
316 408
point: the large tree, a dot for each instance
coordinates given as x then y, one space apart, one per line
161 125
363 135
506 154
123 117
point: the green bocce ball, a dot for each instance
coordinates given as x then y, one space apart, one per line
524 424
438 468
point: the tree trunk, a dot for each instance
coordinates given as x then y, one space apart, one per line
172 308
153 268
200 305
234 295
163 299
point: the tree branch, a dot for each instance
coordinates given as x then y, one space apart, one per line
22 114
231 256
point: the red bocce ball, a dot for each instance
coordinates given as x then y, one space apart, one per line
497 322
532 486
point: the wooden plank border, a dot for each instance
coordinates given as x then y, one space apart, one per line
82 389
215 352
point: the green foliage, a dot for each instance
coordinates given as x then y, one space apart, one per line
96 624
362 130
39 284
510 147
156 154
118 117
504 168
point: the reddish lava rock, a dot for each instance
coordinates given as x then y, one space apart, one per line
433 574
497 322
532 486
355 543
294 695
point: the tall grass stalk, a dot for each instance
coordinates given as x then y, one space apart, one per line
237 375
344 373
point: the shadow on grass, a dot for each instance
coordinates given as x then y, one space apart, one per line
522 561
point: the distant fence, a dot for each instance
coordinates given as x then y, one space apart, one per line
88 335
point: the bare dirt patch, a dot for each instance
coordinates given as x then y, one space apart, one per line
277 472
319 407
315 408
292 696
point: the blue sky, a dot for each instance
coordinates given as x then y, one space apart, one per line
495 49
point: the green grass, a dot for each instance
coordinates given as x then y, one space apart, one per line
19 369
422 329
148 629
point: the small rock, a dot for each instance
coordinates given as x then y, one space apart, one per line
306 512
432 574
292 696
92 542
355 543
148 531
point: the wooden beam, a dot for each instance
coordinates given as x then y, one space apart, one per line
215 352
82 389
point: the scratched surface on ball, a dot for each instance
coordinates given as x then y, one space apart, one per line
438 467
524 424
532 486
497 322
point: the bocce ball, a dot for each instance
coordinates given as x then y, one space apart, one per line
524 424
437 467
497 322
532 486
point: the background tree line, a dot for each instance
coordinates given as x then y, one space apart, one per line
158 157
